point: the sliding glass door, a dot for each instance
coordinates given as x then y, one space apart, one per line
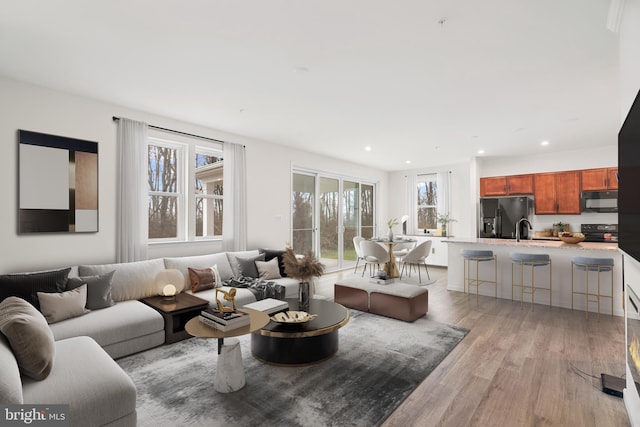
327 212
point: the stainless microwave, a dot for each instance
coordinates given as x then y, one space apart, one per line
599 201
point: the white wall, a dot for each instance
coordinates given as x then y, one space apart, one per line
29 107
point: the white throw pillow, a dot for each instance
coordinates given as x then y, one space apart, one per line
57 306
268 269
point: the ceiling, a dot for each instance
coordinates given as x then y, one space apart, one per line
431 81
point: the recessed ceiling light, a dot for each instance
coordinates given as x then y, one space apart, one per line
367 148
480 151
544 143
408 161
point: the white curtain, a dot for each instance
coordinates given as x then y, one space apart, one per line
444 195
411 200
132 211
234 221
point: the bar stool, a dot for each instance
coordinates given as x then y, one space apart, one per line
599 265
533 261
478 256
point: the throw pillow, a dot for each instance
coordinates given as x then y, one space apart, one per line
98 289
202 279
269 254
29 336
27 285
268 269
63 305
247 266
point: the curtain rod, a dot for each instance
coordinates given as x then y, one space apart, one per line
115 119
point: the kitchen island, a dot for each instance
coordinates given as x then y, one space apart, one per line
561 254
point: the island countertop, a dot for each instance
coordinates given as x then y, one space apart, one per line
523 243
561 255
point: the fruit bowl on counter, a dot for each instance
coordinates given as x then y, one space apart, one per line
571 238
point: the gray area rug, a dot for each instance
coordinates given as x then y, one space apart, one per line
379 363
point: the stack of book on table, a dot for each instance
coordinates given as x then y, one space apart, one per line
269 305
224 321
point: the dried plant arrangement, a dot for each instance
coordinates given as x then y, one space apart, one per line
303 268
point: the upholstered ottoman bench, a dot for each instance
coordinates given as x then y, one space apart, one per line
396 300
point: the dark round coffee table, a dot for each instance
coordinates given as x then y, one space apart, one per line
302 343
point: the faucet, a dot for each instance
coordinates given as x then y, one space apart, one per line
518 227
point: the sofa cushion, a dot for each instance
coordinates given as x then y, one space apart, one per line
27 285
247 266
124 321
131 280
268 269
98 289
202 279
10 383
269 254
29 336
96 389
57 306
201 261
233 261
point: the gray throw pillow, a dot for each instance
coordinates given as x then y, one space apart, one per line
29 336
247 266
98 289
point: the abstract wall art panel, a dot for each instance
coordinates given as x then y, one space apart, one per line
58 184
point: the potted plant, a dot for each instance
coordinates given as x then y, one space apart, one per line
390 224
444 219
559 227
304 268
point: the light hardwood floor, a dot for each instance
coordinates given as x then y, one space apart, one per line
515 367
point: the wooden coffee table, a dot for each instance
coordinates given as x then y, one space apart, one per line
302 343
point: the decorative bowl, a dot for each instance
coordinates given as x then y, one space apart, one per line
293 317
572 240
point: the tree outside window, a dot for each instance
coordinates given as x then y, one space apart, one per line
163 192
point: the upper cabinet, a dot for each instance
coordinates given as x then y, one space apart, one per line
599 179
506 185
557 193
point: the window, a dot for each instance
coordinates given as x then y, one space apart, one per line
427 202
176 213
208 194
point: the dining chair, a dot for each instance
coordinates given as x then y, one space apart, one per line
373 253
402 248
417 257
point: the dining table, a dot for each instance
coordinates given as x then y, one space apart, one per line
391 268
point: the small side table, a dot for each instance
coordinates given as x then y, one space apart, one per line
229 375
176 313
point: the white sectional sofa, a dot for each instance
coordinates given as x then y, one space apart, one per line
129 326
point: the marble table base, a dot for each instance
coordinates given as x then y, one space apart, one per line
229 371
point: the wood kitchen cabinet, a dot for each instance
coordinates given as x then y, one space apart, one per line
599 179
557 193
506 185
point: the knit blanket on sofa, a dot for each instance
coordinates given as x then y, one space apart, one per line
260 288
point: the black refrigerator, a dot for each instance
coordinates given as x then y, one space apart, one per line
499 215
